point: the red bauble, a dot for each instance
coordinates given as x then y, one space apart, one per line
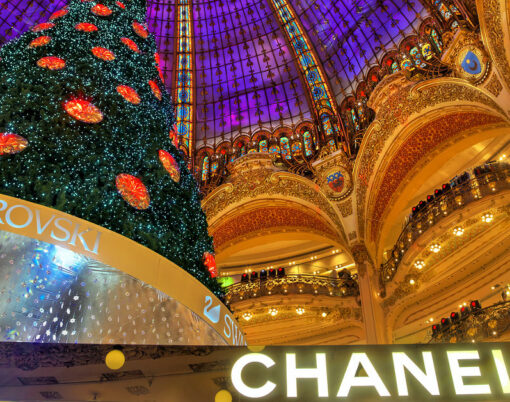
43 26
130 44
210 263
83 110
120 4
58 14
140 30
40 41
103 53
51 63
85 27
129 94
12 143
101 10
133 191
170 164
155 89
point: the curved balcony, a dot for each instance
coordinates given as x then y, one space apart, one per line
293 284
456 198
488 324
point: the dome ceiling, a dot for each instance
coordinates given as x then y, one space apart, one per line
245 71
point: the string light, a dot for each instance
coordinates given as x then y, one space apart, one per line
83 134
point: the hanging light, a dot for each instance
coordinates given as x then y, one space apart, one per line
458 231
419 264
487 217
435 247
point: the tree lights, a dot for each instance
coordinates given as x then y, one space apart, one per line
87 150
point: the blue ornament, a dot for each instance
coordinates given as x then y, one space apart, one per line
471 64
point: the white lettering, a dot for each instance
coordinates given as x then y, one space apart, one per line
30 217
320 372
96 244
79 234
372 379
428 378
238 382
228 323
3 206
63 229
502 371
459 372
41 229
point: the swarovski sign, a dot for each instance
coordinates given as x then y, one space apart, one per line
407 372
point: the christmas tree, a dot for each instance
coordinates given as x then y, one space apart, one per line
84 128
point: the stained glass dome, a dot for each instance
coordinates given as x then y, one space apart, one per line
236 67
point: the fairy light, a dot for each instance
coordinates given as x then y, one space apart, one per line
84 133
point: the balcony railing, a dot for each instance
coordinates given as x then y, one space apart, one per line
482 185
293 284
486 324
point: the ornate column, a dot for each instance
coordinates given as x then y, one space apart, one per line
368 281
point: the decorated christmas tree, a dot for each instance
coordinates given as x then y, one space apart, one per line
84 128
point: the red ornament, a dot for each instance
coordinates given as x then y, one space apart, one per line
85 27
130 44
210 263
173 136
83 110
51 63
171 166
129 94
140 30
155 89
101 10
43 26
121 5
58 14
133 191
103 53
40 41
12 143
157 58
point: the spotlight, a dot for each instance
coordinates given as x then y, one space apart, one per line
263 275
254 276
438 192
344 274
464 311
475 306
272 273
281 272
245 278
430 198
446 187
445 323
454 317
435 329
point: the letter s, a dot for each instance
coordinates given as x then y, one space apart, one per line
228 323
63 229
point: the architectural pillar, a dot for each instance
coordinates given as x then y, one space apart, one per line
373 314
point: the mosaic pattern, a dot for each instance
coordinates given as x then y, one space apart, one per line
267 218
184 84
246 75
51 294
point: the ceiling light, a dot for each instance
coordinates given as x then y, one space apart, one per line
247 316
435 247
419 264
273 311
487 217
412 281
458 231
300 310
324 314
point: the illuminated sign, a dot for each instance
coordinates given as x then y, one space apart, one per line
371 373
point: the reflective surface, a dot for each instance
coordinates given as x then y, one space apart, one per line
51 294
